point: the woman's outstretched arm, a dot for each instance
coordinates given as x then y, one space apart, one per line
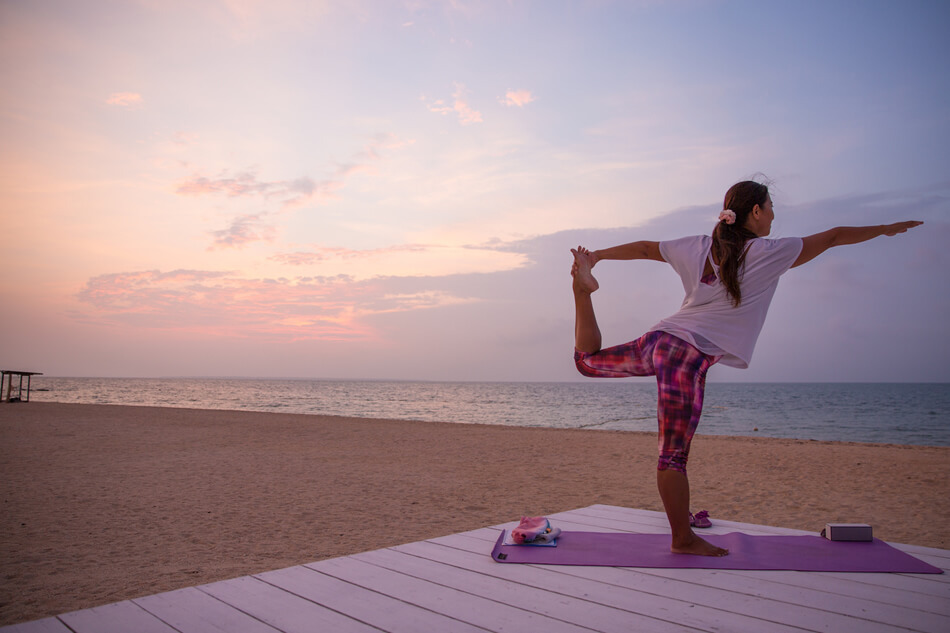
633 250
815 245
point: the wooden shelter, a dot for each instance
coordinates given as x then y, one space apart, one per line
6 385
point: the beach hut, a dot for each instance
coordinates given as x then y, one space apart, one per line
6 385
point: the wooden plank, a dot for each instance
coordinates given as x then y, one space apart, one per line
844 585
542 600
637 520
688 591
280 609
193 611
761 585
646 603
371 607
770 610
46 625
485 535
119 617
449 601
918 583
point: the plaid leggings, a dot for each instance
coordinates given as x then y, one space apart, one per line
680 371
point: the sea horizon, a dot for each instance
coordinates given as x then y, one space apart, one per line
874 412
516 382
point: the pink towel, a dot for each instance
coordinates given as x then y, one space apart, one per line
534 530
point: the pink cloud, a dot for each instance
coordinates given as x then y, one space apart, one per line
290 192
125 99
222 304
141 291
302 258
466 114
295 191
219 303
438 106
244 230
517 98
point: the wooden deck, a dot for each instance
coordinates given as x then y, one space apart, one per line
451 584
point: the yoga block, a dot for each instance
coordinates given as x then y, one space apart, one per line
847 532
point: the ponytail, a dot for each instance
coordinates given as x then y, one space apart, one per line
730 236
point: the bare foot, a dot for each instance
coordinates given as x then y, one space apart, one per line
581 271
699 547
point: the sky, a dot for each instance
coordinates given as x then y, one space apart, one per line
369 189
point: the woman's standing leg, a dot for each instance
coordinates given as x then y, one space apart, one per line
681 379
674 491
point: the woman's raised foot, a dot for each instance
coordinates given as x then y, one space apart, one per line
581 271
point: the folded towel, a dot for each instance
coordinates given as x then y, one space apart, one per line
534 530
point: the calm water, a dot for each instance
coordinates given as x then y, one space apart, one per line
871 412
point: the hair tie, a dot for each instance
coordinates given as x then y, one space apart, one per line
728 216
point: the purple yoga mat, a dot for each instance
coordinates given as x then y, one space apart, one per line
795 553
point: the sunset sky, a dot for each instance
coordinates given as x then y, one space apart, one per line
388 189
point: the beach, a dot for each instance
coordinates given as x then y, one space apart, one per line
106 503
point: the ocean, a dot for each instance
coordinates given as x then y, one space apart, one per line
898 413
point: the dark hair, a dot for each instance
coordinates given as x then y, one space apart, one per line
729 240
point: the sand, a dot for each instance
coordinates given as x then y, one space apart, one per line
107 503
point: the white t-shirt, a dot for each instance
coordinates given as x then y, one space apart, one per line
707 318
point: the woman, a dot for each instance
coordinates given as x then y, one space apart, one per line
729 279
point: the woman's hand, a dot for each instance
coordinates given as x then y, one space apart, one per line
900 227
591 255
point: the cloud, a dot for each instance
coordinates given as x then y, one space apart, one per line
323 253
125 99
299 258
184 138
517 98
288 194
215 303
407 260
294 191
466 114
244 230
243 185
306 258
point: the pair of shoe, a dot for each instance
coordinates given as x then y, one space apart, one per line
700 519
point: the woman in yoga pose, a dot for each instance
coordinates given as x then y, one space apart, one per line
729 279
